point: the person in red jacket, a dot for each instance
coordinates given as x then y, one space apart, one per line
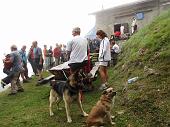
31 60
57 54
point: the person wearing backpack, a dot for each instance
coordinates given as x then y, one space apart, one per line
15 70
7 70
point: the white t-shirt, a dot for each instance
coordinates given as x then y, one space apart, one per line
104 51
133 22
116 48
122 29
78 48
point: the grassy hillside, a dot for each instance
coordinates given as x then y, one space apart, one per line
144 103
30 108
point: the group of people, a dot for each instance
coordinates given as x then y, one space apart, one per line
123 33
76 52
15 65
94 45
54 57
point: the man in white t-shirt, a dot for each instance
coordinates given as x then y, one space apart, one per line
122 29
77 51
115 50
134 25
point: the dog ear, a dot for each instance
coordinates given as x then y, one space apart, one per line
104 92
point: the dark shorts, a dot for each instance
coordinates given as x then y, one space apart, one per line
37 64
77 66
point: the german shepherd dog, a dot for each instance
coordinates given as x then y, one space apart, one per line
101 112
68 91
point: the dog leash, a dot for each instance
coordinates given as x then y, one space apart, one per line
81 95
64 74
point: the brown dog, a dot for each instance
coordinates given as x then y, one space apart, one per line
102 110
68 91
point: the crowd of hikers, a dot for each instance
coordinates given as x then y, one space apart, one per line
75 52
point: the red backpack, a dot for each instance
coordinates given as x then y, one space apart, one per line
7 62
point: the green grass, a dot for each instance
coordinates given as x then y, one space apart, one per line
145 103
30 108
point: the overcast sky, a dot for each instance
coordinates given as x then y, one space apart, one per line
47 21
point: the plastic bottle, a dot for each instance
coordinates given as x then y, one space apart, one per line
132 79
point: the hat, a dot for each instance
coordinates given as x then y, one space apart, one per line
76 29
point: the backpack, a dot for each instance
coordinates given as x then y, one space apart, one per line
7 62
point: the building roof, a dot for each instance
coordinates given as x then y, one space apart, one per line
91 34
130 6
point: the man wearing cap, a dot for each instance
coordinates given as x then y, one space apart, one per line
77 51
16 70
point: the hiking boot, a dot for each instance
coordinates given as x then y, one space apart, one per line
20 90
3 84
29 78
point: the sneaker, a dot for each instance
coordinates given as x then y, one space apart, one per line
10 94
3 84
28 78
25 81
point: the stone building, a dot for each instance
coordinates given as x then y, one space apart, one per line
144 11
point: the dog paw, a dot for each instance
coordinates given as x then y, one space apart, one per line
51 114
112 117
85 114
69 120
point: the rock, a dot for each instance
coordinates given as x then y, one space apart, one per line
155 56
120 112
149 71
